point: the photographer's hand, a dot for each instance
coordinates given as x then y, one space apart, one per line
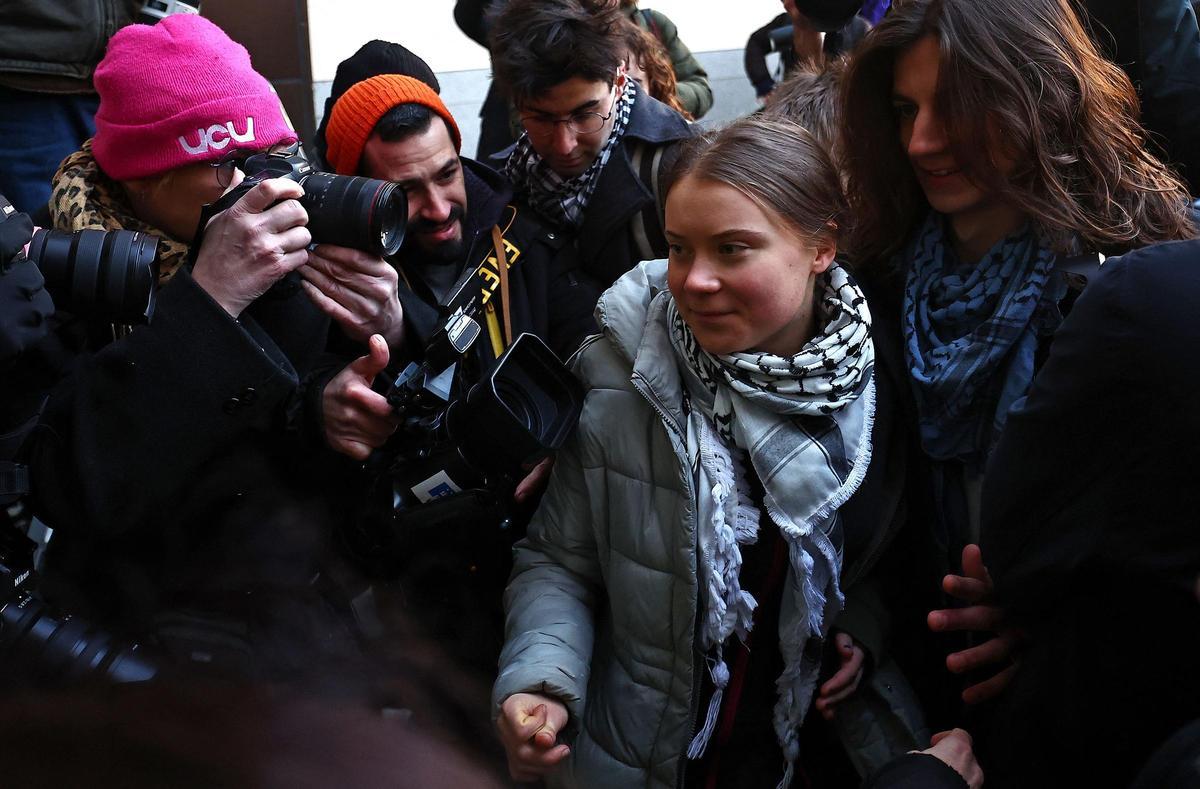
250 246
357 290
357 418
25 306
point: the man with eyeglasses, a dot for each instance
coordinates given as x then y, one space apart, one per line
461 223
595 146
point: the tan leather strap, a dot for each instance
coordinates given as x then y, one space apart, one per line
502 267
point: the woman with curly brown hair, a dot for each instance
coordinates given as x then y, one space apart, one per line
993 157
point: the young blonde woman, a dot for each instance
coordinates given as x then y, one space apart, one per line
695 513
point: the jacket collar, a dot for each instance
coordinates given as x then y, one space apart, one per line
633 315
488 196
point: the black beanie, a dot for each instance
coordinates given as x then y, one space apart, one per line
372 59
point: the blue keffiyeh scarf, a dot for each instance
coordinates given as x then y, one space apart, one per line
971 334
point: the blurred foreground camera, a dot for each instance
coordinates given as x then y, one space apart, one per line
344 210
108 275
41 647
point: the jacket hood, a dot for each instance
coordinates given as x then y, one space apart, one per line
488 192
624 310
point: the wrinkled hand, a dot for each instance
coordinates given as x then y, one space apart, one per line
535 480
954 749
251 245
528 725
975 588
357 418
843 683
357 290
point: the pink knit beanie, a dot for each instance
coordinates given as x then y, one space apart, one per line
177 93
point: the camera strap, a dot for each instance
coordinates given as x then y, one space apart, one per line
499 343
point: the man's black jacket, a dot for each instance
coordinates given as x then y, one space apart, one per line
622 224
1090 531
183 504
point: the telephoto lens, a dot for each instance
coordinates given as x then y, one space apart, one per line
356 212
108 275
39 646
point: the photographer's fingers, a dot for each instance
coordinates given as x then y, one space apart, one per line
325 304
334 288
353 259
267 194
284 216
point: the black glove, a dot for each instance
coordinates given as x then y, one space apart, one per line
25 306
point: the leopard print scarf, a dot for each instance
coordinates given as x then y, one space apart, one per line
84 197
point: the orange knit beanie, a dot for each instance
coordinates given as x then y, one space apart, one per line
355 114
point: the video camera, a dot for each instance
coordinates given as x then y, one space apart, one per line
454 462
345 210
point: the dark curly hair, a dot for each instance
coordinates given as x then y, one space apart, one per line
1019 81
537 44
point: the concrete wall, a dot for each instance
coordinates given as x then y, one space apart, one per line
339 27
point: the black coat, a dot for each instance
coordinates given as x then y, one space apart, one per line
184 506
548 294
1089 530
1157 43
628 199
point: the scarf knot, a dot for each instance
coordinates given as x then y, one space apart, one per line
971 335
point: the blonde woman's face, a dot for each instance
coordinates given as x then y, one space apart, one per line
741 277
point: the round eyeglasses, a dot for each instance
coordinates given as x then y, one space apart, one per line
578 122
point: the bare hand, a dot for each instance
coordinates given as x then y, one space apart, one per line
842 684
975 588
535 480
954 749
529 724
357 418
357 290
251 245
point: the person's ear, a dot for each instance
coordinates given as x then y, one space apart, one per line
826 252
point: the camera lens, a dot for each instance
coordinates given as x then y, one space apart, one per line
56 650
105 274
356 212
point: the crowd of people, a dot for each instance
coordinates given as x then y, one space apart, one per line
800 451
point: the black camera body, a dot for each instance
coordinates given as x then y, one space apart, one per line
344 210
454 463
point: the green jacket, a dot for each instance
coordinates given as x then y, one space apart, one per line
691 79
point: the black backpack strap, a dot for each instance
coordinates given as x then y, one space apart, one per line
653 164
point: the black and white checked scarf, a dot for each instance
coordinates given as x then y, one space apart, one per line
804 424
563 200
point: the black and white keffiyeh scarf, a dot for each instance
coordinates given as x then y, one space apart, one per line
804 423
563 200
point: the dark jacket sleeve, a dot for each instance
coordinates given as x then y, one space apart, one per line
691 79
1113 404
915 771
755 57
138 419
